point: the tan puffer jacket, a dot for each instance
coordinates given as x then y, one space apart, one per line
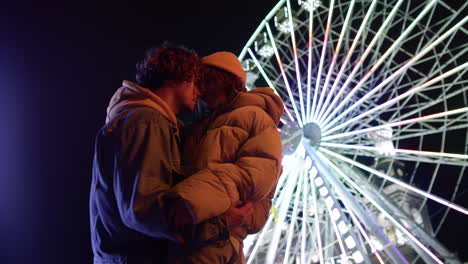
234 155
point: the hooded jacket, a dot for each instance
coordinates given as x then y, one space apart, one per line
235 155
136 161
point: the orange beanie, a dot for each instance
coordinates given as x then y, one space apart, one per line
226 61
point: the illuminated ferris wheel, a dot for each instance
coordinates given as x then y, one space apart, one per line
375 130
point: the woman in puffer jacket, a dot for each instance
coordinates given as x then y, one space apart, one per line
233 155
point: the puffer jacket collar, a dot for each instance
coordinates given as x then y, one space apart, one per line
131 94
265 98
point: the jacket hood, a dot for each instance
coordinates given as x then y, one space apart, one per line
265 98
131 95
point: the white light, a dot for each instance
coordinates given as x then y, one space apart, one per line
376 243
310 4
383 141
300 150
357 256
315 256
323 191
308 163
284 27
335 213
318 181
350 243
342 227
313 171
343 258
266 51
329 202
287 159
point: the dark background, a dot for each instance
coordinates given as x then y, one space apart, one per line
59 65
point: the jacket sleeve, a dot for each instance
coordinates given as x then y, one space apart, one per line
143 175
254 173
257 220
261 211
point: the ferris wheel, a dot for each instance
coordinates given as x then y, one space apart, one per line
375 130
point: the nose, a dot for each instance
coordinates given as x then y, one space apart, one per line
198 93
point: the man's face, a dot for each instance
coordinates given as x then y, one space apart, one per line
188 95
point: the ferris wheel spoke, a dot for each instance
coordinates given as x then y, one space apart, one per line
441 98
452 199
431 102
399 123
327 123
369 48
430 59
305 210
261 27
334 58
346 60
400 183
363 232
322 58
267 79
309 60
334 214
296 61
430 132
423 75
344 255
345 195
407 154
410 122
279 197
313 174
357 223
393 213
259 238
417 107
283 73
292 224
392 101
284 206
396 69
260 68
440 126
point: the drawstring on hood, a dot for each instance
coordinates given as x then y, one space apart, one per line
131 94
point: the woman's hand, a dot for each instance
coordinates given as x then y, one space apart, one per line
238 213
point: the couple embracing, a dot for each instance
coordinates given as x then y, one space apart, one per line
165 192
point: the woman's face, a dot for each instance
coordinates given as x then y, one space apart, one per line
214 97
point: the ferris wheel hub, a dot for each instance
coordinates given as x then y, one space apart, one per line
312 134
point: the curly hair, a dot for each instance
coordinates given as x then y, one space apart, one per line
219 79
167 63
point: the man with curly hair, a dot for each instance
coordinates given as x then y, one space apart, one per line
137 159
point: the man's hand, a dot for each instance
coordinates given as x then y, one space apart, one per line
238 213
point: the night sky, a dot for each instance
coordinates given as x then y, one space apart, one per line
59 65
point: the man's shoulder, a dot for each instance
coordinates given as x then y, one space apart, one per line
142 115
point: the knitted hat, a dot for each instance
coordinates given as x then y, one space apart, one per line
226 61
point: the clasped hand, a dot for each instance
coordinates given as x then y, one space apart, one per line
238 213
